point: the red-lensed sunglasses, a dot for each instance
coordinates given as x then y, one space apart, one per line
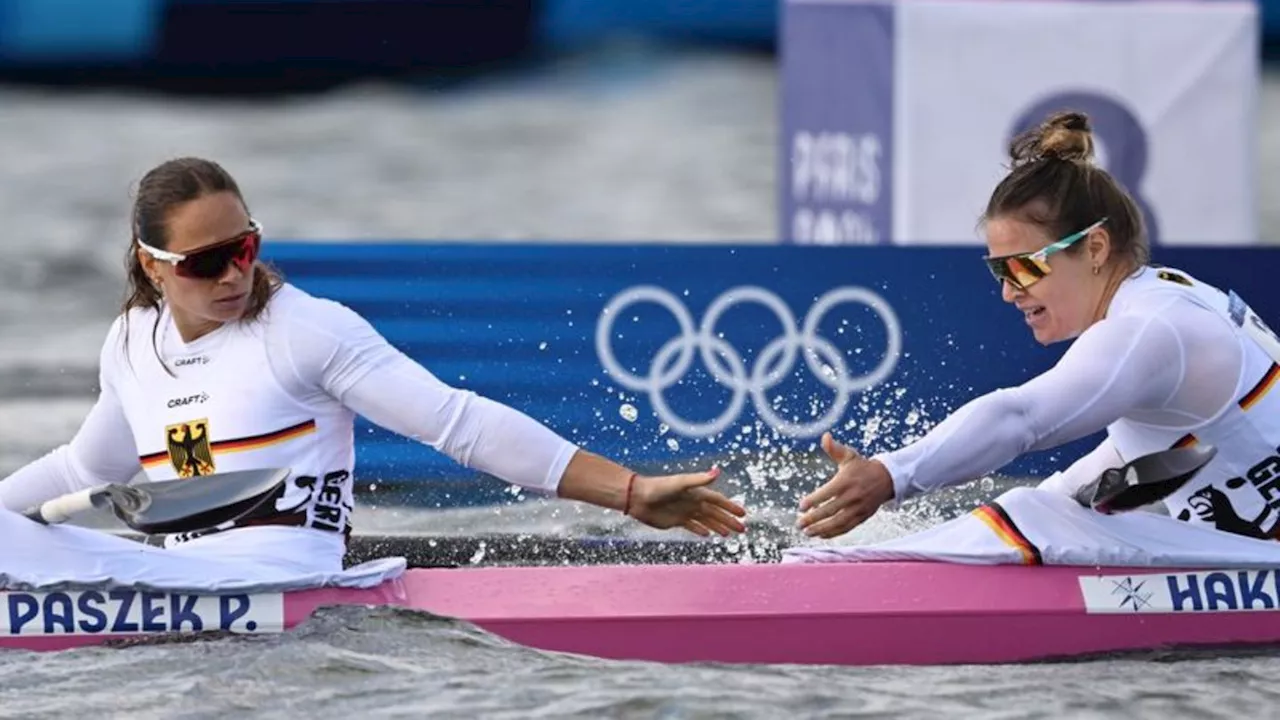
211 262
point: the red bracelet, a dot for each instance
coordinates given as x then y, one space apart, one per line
626 508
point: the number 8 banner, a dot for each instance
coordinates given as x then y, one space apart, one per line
897 115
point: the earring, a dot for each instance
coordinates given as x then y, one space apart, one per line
1095 269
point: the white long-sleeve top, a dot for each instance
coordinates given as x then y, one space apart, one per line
282 391
1167 365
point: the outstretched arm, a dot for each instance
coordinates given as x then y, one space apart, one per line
682 500
1117 366
349 360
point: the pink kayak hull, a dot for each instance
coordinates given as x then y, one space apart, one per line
843 614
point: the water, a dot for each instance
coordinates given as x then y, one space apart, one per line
388 663
619 146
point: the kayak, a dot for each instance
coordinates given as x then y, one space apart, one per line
859 613
1031 575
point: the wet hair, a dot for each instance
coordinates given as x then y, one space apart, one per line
160 192
1054 183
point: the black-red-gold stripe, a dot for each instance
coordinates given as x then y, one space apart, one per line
1003 526
252 442
1250 398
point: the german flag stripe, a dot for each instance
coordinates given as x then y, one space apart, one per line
1262 388
260 441
252 442
1250 399
995 517
154 458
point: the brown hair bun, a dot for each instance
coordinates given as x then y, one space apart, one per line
1063 136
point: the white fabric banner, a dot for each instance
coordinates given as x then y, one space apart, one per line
1171 86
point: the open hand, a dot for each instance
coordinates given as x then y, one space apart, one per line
685 501
857 490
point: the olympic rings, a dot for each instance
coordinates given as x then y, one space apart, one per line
777 359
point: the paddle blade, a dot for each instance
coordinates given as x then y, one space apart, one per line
1145 480
188 505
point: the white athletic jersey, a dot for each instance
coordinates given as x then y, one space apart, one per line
1174 361
279 392
1239 490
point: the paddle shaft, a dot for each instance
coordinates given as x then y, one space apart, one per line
63 508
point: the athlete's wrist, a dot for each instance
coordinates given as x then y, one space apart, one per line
630 493
897 477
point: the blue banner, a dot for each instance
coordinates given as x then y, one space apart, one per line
677 356
837 123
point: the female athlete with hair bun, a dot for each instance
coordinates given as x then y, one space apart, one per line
1158 359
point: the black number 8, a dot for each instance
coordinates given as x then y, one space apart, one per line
1118 130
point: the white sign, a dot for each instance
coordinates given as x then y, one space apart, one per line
1170 86
1182 592
123 611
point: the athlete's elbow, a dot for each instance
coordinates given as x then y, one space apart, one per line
465 429
1014 420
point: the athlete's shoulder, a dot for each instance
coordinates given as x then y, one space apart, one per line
131 329
113 344
299 319
1160 285
292 304
135 317
311 331
1163 276
132 322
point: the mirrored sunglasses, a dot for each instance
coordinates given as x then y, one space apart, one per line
211 262
1022 270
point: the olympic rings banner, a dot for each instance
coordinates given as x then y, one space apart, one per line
677 356
896 116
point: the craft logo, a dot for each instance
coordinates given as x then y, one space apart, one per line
132 612
197 399
1204 591
189 450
